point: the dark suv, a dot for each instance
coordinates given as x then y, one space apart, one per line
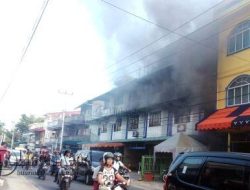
85 168
209 171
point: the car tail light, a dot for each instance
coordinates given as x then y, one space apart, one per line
166 180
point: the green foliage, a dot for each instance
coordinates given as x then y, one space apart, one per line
23 125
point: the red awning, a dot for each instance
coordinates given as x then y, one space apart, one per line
219 120
105 145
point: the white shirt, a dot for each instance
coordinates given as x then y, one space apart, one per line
108 175
65 161
117 165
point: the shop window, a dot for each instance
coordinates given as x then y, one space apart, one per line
189 170
219 176
238 91
239 39
133 123
155 119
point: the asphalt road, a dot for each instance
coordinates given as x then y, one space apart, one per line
48 184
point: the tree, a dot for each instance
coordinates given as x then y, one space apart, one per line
8 136
23 125
1 130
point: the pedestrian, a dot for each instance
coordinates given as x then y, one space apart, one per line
3 150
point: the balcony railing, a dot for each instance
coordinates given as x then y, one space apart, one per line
104 112
85 138
54 125
76 119
52 140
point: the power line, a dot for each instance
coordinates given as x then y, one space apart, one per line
171 31
24 52
175 53
190 39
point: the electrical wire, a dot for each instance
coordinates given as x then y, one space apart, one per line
217 19
24 53
197 42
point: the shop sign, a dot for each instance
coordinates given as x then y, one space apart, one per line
241 121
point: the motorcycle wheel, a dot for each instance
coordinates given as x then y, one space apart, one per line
64 186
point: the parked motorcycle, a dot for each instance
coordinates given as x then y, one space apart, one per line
65 178
42 169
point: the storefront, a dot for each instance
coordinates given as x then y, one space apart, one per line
235 121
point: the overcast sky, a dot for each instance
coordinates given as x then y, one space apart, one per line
76 47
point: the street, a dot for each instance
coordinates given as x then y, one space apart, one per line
31 180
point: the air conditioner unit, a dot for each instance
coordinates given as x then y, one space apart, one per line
181 127
135 134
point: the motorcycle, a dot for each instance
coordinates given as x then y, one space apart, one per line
65 178
27 164
117 186
35 161
124 173
74 172
41 172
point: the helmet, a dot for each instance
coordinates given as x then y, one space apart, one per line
66 152
107 155
118 154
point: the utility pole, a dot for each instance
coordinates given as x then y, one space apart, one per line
65 93
13 134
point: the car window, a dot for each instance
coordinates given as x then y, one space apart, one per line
15 153
220 176
96 155
189 170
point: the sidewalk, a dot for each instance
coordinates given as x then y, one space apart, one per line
152 185
16 182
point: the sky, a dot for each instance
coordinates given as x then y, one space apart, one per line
80 46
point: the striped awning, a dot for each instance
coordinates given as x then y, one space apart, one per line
227 118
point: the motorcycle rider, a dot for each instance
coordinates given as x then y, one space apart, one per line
3 150
108 174
43 159
55 158
35 158
65 161
118 163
